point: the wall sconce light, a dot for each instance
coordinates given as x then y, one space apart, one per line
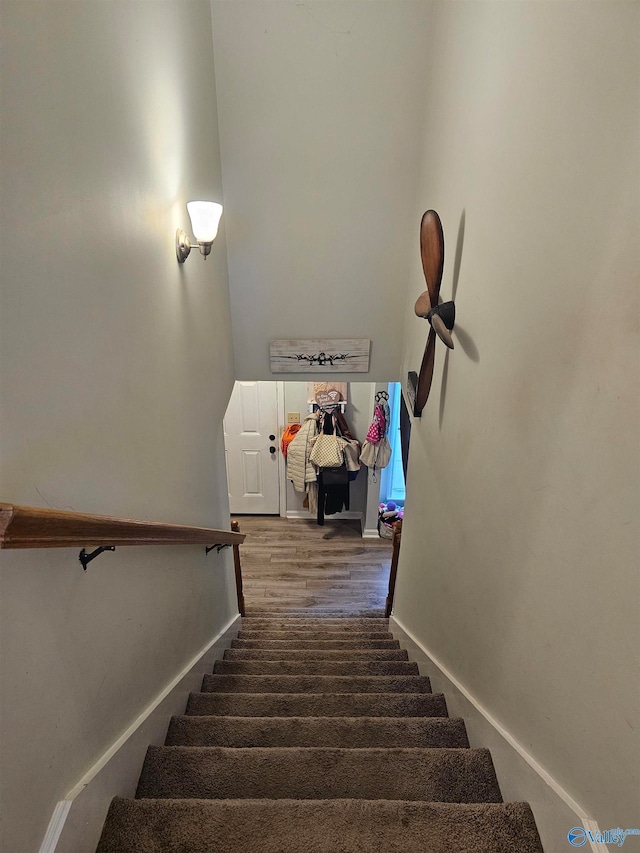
205 218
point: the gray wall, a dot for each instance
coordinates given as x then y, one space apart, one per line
519 565
321 107
117 366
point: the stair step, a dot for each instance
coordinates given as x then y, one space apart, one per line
292 623
317 610
318 704
342 732
254 634
316 684
315 667
442 775
287 645
347 612
316 654
317 826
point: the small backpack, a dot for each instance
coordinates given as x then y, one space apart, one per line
378 426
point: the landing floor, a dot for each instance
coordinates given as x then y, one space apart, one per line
293 564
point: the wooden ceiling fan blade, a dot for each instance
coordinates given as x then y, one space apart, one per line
441 330
423 304
432 252
426 373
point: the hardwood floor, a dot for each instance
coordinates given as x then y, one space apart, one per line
293 566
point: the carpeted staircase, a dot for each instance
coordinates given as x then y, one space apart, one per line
317 735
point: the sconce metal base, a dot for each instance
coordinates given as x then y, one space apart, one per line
183 246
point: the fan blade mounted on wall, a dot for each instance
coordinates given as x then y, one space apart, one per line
441 316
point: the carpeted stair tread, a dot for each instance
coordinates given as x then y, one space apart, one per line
316 654
290 623
318 704
339 608
286 645
315 667
317 826
316 684
315 614
255 634
274 617
343 732
442 775
316 734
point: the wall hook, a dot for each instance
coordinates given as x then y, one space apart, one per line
85 558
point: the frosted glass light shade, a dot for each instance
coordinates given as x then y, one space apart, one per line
205 218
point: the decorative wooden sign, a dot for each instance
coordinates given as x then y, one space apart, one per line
327 398
320 355
327 393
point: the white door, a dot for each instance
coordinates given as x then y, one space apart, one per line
252 448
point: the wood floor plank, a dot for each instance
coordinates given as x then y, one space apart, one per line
296 565
351 585
309 574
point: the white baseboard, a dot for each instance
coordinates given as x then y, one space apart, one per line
77 820
521 776
370 533
56 825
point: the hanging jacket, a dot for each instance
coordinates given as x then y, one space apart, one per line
333 491
300 470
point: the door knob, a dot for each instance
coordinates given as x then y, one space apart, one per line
272 450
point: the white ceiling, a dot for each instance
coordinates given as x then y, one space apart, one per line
321 129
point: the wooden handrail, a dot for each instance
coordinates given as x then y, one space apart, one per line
393 571
238 570
34 527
